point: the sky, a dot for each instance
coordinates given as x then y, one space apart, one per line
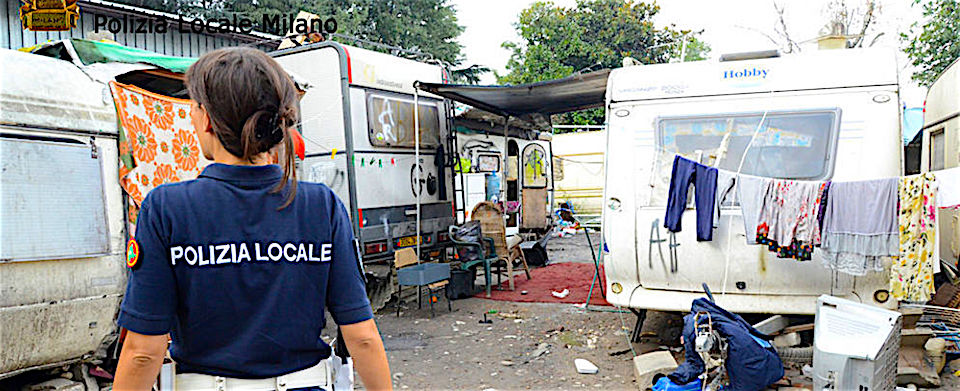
729 26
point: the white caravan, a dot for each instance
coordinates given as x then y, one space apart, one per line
358 127
941 149
827 115
523 179
62 239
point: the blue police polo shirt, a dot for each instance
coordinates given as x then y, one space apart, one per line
240 285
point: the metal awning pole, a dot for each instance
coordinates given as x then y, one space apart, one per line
416 159
506 162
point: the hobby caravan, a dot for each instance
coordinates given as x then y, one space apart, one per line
828 115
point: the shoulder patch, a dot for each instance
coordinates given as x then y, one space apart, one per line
133 254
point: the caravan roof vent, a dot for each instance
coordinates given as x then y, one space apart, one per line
750 55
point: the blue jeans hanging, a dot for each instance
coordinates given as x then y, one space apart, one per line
704 180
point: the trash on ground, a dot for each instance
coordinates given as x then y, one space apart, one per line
648 366
485 320
542 348
560 294
585 367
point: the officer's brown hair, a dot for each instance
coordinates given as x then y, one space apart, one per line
252 105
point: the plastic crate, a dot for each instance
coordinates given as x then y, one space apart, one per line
423 274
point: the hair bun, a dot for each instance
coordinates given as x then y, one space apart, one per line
268 129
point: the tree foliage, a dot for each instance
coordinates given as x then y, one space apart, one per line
935 44
595 34
426 26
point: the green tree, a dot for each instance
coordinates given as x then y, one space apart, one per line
427 29
935 44
557 42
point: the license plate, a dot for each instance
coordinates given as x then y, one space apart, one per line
407 241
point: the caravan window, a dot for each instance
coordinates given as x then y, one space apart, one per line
390 119
794 145
937 161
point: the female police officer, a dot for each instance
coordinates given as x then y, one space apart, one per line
238 265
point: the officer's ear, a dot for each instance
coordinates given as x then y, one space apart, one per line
200 119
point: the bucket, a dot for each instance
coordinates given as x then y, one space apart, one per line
461 284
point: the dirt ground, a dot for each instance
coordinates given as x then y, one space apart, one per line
529 346
526 346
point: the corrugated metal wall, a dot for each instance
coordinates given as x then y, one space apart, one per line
13 36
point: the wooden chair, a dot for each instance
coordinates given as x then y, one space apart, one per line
407 257
493 226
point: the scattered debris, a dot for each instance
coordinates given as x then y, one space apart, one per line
772 324
509 315
649 365
935 349
619 353
524 292
542 348
506 363
485 320
57 384
786 340
560 294
397 376
585 367
798 328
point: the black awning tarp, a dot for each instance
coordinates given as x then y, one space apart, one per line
577 92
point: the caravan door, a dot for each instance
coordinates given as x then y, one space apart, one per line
536 182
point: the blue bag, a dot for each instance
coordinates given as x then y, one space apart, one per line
750 365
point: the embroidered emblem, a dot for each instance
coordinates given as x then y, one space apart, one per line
133 254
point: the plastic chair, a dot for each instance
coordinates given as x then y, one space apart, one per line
486 257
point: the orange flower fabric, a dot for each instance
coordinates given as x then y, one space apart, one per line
185 151
164 174
160 112
144 144
160 140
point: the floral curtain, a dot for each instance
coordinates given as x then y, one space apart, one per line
157 142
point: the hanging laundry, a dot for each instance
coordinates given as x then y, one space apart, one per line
823 205
788 222
704 179
860 227
948 182
750 192
157 141
911 277
726 186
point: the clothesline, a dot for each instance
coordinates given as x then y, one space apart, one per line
859 227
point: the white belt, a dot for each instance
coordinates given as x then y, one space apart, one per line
315 376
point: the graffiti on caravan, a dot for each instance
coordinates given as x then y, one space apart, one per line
746 73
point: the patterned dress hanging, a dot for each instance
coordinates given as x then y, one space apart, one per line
911 276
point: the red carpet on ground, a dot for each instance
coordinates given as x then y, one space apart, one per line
575 277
